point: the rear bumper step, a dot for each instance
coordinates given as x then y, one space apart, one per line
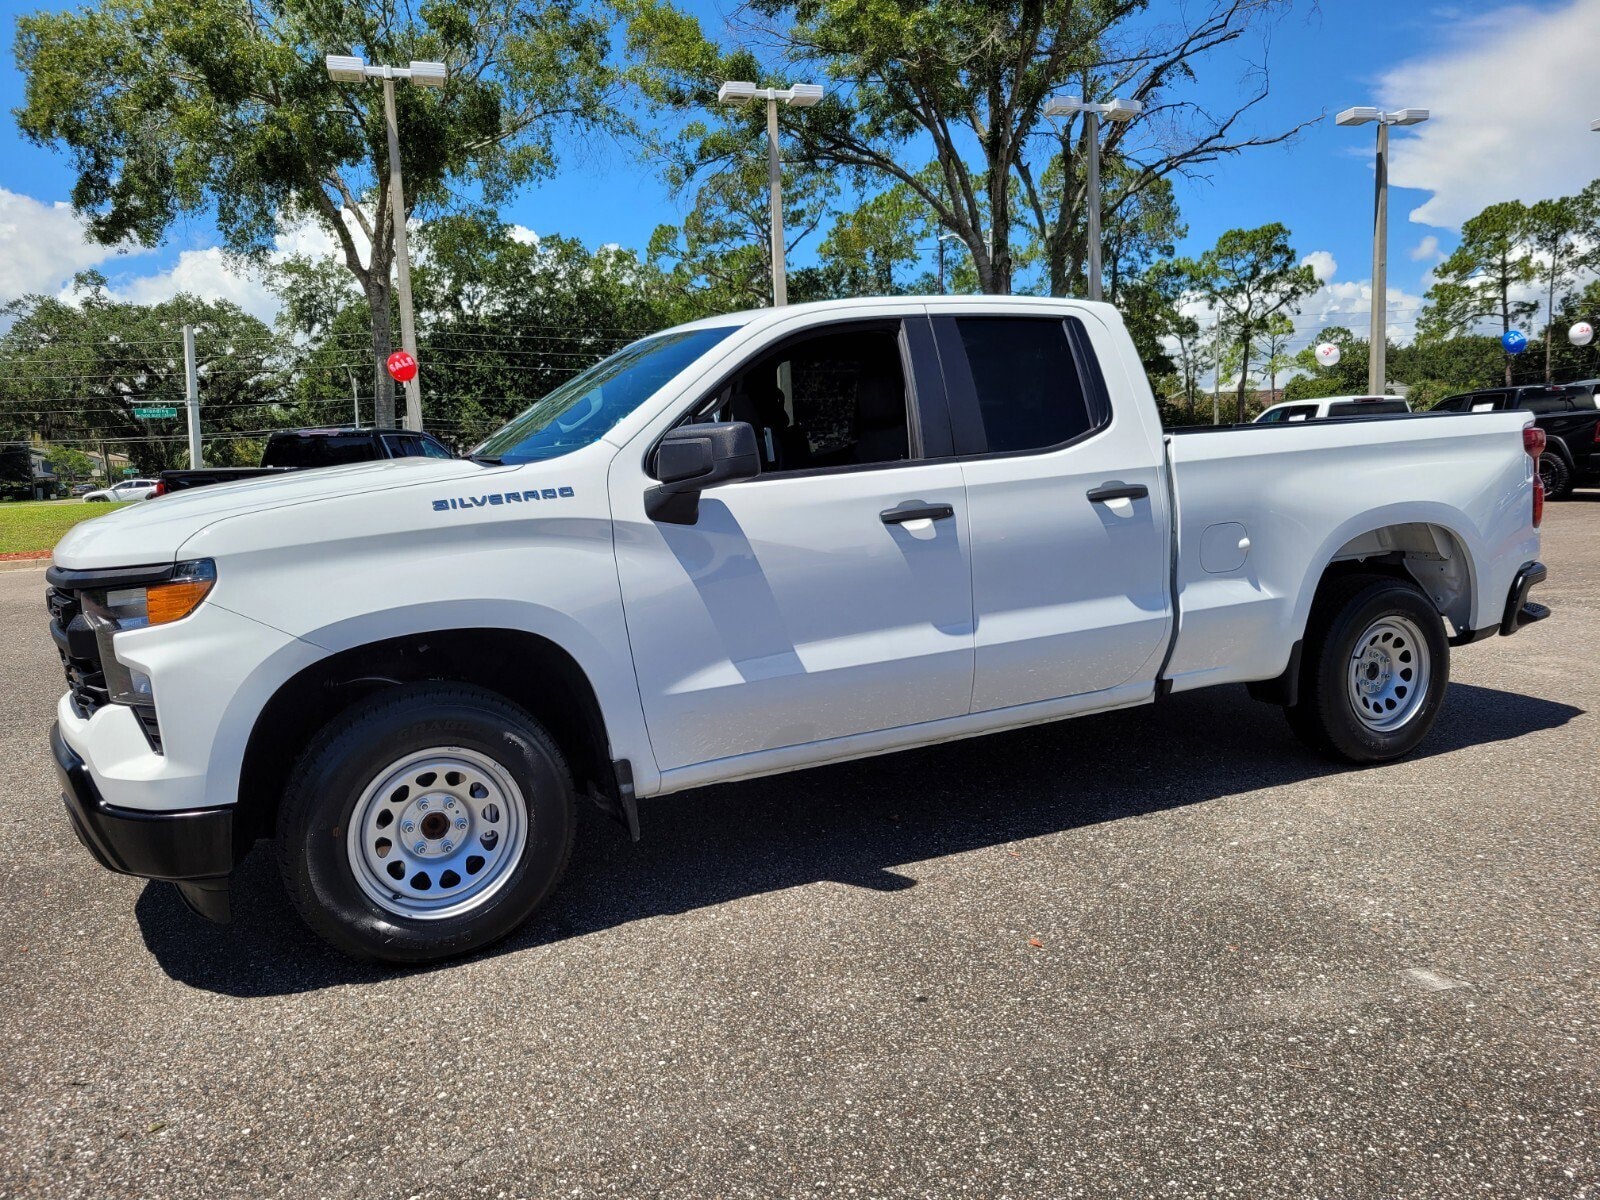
1520 610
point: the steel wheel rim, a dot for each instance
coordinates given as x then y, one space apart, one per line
1387 680
437 833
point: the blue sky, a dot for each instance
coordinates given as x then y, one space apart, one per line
1512 88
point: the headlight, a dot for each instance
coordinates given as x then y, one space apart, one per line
117 610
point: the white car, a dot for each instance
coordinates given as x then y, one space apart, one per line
1336 407
748 545
117 493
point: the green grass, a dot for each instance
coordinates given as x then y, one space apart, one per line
39 525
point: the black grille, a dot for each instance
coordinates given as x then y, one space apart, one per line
80 662
80 652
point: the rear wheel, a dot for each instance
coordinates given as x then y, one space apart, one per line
427 822
1557 476
1376 665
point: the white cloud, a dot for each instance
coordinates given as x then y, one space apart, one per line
43 246
208 274
1322 264
1427 250
1512 95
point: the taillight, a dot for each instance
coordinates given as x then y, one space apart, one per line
1533 441
159 490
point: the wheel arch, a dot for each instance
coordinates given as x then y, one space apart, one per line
1430 553
530 670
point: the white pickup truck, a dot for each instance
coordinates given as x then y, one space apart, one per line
747 545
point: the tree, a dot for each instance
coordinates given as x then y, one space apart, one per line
723 249
503 318
76 369
1277 333
1478 281
1554 231
1249 276
71 465
960 78
173 108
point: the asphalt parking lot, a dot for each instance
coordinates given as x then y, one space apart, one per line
1157 953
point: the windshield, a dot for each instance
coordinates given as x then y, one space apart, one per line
584 408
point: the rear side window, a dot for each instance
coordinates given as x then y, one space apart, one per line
1029 392
1296 412
1546 403
403 445
307 452
1366 408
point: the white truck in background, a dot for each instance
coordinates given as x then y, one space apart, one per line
752 544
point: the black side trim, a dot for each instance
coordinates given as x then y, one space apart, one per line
1474 635
74 580
194 844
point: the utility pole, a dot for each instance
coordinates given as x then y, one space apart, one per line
355 397
344 68
402 255
191 387
1378 336
801 95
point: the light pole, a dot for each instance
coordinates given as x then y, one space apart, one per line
1113 110
349 68
1377 339
943 238
801 95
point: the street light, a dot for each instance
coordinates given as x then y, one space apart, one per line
943 238
350 68
801 95
1113 110
1377 350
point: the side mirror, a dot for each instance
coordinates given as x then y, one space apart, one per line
692 458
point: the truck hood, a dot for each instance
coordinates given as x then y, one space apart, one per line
151 531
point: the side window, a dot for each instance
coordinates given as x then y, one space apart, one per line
1029 392
402 445
1452 404
834 400
432 449
1545 404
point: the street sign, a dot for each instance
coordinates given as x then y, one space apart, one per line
151 414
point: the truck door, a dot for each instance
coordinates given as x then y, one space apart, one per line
1067 499
831 595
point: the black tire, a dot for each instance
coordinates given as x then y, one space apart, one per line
1325 716
348 756
1557 475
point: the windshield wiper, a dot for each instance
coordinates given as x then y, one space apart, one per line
487 460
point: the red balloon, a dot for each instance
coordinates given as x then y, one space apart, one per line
402 366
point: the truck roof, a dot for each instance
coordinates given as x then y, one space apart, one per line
755 316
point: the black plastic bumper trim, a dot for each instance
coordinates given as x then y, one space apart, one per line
73 579
1520 610
192 845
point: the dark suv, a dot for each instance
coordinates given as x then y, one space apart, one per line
1567 414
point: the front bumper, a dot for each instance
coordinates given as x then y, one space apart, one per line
193 848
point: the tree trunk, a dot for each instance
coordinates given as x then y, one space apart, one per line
1550 322
382 343
1244 375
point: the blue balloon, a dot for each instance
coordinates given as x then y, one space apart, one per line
1515 342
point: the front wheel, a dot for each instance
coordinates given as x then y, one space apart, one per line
426 822
1376 665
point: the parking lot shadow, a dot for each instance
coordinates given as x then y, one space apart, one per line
852 823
